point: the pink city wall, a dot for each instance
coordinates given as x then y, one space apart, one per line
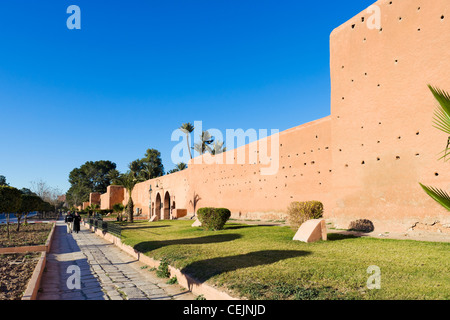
366 159
383 139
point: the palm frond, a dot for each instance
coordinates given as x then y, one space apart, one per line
439 195
442 114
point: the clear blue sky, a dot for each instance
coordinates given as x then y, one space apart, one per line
138 69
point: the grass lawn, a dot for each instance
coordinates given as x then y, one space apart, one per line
263 262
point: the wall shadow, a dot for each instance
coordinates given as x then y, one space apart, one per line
128 227
206 269
237 226
146 246
57 278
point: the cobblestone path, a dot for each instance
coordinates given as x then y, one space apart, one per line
106 272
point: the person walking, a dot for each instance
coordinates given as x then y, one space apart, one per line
76 222
69 222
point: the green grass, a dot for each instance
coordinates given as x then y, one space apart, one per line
263 262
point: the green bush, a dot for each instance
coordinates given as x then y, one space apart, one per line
213 218
163 269
172 280
299 212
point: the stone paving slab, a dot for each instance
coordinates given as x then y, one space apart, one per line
106 272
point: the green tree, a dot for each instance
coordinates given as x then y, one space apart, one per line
3 181
441 121
27 191
10 202
187 129
29 204
179 167
90 177
149 167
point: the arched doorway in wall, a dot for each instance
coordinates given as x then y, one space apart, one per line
166 206
158 204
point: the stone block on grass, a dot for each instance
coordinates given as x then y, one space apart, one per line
197 223
311 231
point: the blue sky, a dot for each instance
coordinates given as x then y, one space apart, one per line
138 69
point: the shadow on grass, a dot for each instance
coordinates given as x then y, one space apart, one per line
133 227
206 269
153 245
340 236
236 226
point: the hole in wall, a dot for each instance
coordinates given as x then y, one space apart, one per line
417 133
397 157
378 158
442 17
353 26
363 162
436 174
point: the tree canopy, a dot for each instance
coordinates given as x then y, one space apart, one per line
149 167
10 199
3 181
90 177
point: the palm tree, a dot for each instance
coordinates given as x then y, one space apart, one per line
187 128
441 121
179 167
128 181
205 140
118 208
216 148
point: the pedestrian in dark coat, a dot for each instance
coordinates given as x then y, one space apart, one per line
76 222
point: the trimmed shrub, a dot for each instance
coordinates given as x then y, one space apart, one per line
363 225
299 212
213 218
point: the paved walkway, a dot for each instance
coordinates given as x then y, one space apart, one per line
107 273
